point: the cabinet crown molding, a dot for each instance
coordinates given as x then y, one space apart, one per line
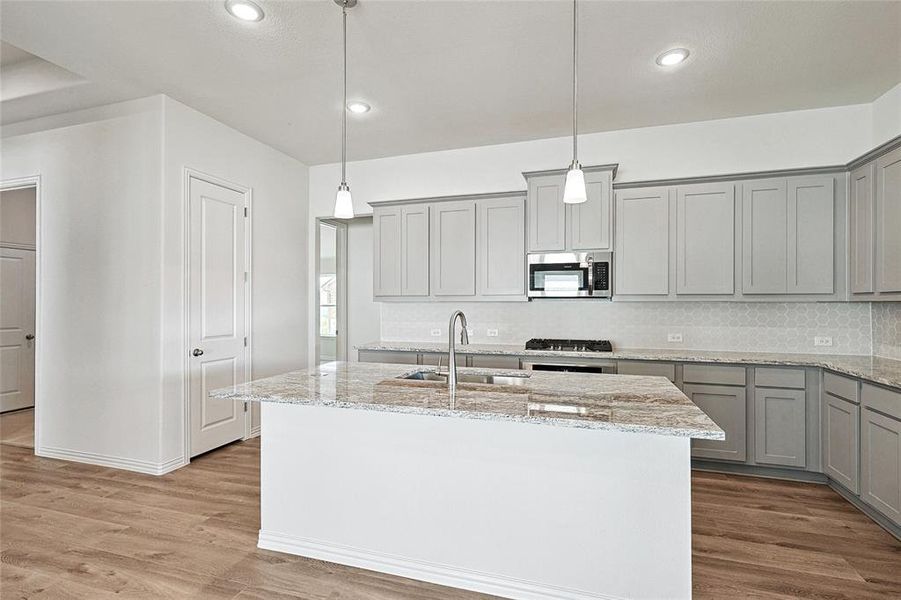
432 199
612 167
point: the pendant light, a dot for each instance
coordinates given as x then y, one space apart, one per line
574 189
344 206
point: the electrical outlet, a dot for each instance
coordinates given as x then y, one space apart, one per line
674 338
436 333
822 340
492 333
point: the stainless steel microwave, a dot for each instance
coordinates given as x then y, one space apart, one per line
570 275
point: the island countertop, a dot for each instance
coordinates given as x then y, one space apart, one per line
591 401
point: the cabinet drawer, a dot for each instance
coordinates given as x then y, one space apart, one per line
841 387
651 369
715 374
779 378
379 356
490 361
881 399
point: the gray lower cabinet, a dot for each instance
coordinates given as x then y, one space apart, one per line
705 239
780 427
382 356
888 222
501 246
880 463
862 214
646 368
642 242
727 407
841 441
453 248
493 361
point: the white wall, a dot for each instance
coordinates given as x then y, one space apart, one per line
887 116
279 185
99 327
363 314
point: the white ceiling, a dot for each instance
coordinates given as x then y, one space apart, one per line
457 73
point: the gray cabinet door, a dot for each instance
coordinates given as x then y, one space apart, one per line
547 214
382 356
453 242
880 463
705 239
726 406
386 241
841 439
641 238
888 222
764 237
414 250
494 361
780 427
589 225
501 247
811 237
863 224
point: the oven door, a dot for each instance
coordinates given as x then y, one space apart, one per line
558 276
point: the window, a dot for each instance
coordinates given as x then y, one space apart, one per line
328 311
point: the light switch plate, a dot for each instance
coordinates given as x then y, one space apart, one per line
822 340
674 338
492 333
436 333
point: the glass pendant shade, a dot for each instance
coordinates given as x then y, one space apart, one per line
344 205
574 189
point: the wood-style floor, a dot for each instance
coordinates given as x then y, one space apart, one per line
76 531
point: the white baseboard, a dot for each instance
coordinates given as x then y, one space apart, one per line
114 462
255 431
488 583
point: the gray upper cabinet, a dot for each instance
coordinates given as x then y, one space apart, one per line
414 257
501 246
764 237
386 238
880 463
788 236
863 241
589 225
705 239
780 425
888 222
642 242
547 214
811 216
726 406
841 440
453 248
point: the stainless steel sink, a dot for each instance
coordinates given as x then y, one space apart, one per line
469 378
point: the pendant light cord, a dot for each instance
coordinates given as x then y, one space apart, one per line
344 105
575 81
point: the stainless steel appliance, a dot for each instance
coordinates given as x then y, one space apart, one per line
570 275
567 364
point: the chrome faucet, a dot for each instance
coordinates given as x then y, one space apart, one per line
451 347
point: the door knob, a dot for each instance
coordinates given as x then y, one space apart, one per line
29 337
197 352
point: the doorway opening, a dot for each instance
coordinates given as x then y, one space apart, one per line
331 300
18 309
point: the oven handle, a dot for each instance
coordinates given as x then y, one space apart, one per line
528 365
590 276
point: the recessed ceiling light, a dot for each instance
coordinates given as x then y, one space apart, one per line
358 107
672 57
244 10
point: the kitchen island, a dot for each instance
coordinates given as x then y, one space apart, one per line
564 485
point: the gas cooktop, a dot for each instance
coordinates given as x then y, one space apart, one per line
569 345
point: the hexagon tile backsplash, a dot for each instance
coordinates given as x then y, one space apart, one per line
887 329
749 327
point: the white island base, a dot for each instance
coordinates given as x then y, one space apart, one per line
507 508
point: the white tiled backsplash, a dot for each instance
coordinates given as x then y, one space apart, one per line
887 329
762 327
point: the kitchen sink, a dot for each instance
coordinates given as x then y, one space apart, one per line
469 378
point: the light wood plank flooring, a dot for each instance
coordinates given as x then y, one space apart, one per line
17 428
77 531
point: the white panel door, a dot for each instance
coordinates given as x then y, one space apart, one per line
16 329
217 327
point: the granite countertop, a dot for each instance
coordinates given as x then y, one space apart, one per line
607 402
879 370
